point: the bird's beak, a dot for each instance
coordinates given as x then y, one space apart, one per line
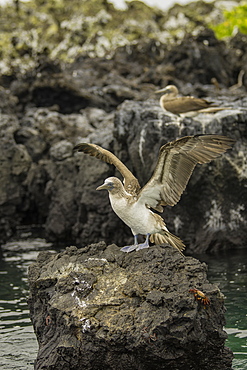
161 90
104 187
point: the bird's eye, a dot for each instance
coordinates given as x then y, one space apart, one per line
110 185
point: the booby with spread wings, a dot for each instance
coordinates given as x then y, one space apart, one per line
174 167
185 105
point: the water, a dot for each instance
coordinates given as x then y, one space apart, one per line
229 271
18 345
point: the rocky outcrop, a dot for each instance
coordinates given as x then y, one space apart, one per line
111 102
44 183
211 210
210 214
99 308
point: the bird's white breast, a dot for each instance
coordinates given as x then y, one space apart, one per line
137 216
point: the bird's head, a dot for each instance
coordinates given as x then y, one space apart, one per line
169 89
112 184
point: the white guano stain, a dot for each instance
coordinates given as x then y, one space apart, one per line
214 218
236 219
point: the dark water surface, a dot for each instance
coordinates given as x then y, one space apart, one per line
18 345
229 272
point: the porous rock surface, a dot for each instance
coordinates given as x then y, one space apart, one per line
210 213
111 102
44 183
99 308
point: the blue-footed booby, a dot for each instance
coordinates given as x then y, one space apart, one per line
185 105
174 167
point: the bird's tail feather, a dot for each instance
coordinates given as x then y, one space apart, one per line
168 238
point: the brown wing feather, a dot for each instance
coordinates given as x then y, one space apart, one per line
184 104
176 163
131 183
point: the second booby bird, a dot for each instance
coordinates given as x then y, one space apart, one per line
174 167
185 105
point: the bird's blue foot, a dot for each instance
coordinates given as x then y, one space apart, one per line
136 246
129 248
142 246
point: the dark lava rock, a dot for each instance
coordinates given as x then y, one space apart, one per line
210 214
44 183
108 102
200 58
98 308
49 85
213 204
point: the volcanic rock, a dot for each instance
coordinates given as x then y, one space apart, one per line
108 101
98 308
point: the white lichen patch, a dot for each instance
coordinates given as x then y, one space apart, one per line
61 269
142 143
176 22
84 283
104 260
86 324
214 218
107 292
177 224
236 218
159 122
79 302
239 162
79 297
109 287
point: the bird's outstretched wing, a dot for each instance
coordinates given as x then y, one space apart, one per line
131 183
175 165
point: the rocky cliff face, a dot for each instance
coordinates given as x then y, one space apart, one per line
44 114
43 182
210 212
98 308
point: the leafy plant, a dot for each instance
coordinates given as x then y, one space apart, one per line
235 19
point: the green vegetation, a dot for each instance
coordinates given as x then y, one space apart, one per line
65 29
235 19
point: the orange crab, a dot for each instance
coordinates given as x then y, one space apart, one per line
148 337
200 296
48 320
